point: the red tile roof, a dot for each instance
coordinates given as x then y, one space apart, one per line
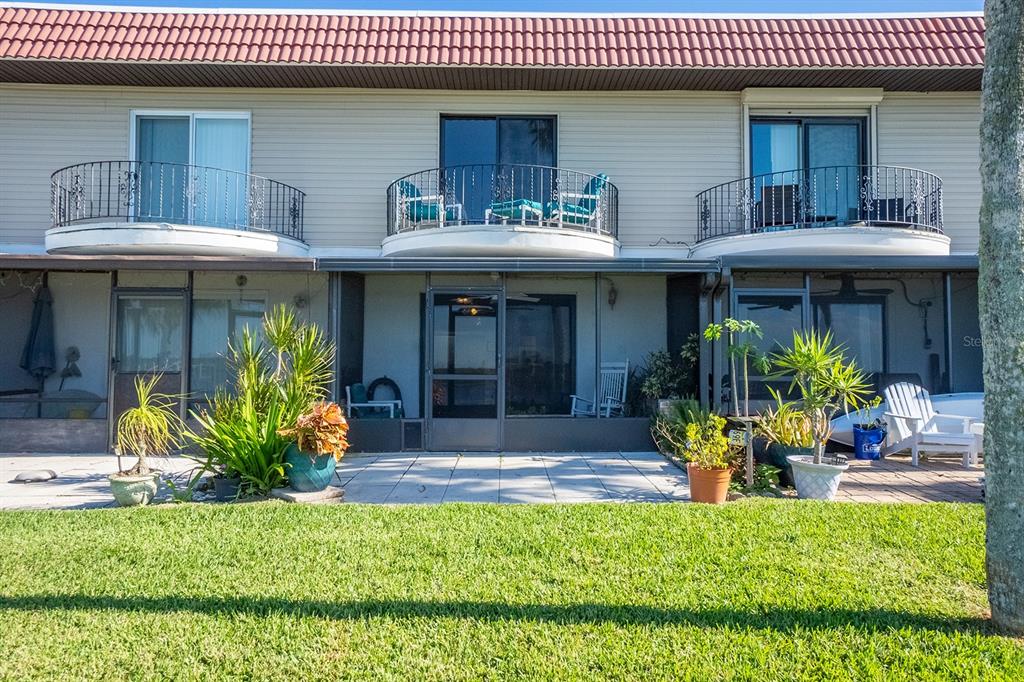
491 41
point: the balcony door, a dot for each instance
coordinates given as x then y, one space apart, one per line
191 168
490 159
806 169
464 369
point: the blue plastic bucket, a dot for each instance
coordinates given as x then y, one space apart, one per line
867 443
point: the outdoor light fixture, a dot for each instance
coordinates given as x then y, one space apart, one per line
613 295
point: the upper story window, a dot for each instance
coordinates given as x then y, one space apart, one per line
786 144
189 162
499 163
805 164
498 140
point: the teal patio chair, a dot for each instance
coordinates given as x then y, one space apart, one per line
358 404
425 208
579 208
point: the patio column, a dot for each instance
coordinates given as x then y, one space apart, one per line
597 345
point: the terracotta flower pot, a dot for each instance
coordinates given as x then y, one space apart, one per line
708 485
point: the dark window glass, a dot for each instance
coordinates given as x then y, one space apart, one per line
490 160
540 353
778 315
806 170
468 141
529 141
465 334
965 331
859 325
465 399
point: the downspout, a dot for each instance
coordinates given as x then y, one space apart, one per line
710 392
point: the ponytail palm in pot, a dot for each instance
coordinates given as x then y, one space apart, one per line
823 383
150 429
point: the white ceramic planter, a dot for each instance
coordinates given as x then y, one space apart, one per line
132 491
815 481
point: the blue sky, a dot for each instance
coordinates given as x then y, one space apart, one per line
630 6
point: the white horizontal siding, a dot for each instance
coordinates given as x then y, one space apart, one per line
938 132
344 147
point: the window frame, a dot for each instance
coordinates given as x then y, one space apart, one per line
863 123
497 118
192 115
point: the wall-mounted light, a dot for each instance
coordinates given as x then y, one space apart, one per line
613 295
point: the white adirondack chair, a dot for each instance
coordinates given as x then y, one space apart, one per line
611 397
914 424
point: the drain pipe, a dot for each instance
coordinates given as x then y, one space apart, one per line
708 361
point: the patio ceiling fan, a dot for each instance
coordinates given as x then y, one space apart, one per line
848 288
526 298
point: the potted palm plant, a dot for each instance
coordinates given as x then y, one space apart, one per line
695 435
276 376
151 429
319 445
787 431
825 383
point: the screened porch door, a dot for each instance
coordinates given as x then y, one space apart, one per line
148 339
464 369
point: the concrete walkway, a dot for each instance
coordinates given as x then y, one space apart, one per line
431 478
511 478
81 481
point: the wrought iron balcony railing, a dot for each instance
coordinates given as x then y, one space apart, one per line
536 196
152 191
830 196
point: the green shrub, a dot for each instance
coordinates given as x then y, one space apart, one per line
273 382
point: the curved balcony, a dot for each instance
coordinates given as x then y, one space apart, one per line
832 210
155 208
502 210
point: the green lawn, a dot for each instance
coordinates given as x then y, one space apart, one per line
754 590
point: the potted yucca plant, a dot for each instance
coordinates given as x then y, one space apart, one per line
320 443
787 430
151 429
825 383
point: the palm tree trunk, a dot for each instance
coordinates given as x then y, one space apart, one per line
1001 287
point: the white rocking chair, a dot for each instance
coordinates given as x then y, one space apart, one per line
611 398
914 424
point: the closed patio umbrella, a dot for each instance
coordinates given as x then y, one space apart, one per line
38 356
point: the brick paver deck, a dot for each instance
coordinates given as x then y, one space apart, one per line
894 480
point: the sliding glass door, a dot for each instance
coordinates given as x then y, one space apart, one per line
491 159
192 167
806 169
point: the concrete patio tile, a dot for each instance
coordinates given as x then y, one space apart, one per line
425 481
475 479
351 465
375 493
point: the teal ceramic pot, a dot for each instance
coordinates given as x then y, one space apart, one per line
778 457
308 473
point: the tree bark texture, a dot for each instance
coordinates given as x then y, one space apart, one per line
1001 307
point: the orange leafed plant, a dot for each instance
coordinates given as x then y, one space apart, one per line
320 430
